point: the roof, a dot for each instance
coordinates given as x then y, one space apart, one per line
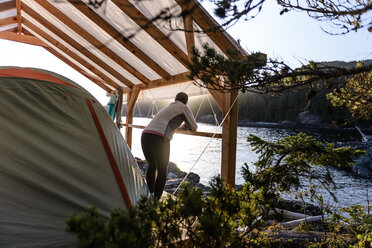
118 43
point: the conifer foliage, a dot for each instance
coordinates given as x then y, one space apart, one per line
225 218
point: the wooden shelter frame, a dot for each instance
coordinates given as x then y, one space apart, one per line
24 23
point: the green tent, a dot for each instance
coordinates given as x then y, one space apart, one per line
60 153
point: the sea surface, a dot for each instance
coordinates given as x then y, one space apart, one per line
202 156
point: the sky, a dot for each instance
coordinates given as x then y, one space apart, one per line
292 37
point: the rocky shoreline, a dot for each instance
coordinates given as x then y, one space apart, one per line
305 120
362 168
175 177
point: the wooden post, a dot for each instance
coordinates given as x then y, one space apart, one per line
229 136
131 101
119 108
19 18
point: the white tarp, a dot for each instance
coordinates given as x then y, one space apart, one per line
169 92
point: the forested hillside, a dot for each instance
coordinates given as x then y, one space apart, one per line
265 107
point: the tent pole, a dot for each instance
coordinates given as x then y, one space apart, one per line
131 101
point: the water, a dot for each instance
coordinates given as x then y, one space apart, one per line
186 152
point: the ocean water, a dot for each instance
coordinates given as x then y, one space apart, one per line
202 156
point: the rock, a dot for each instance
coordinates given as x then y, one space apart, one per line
173 168
172 175
298 207
307 118
363 166
193 178
175 177
238 187
295 239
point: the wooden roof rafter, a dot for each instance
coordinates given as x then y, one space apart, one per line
188 27
91 39
92 78
67 51
116 35
18 6
108 60
6 6
10 29
210 26
27 39
142 21
76 45
8 21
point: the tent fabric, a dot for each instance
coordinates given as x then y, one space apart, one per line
53 162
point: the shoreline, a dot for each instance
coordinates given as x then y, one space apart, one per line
293 125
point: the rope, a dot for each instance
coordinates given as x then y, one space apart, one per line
150 114
139 110
214 114
197 112
156 106
210 140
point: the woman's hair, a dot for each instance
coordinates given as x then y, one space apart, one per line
182 97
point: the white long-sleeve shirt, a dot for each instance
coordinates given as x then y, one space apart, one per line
170 118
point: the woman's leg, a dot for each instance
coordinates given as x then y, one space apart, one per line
148 148
163 160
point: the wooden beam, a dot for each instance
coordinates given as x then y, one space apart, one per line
189 27
76 45
8 21
67 61
18 5
175 79
217 34
180 131
229 136
68 52
218 97
27 39
141 20
116 35
12 30
78 69
96 80
131 101
5 6
91 39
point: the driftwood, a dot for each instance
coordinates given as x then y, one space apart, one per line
294 219
310 220
287 215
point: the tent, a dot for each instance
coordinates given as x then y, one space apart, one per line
60 153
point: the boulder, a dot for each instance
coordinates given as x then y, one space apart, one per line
173 168
299 207
363 166
175 177
309 119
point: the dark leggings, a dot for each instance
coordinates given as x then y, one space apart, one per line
156 150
